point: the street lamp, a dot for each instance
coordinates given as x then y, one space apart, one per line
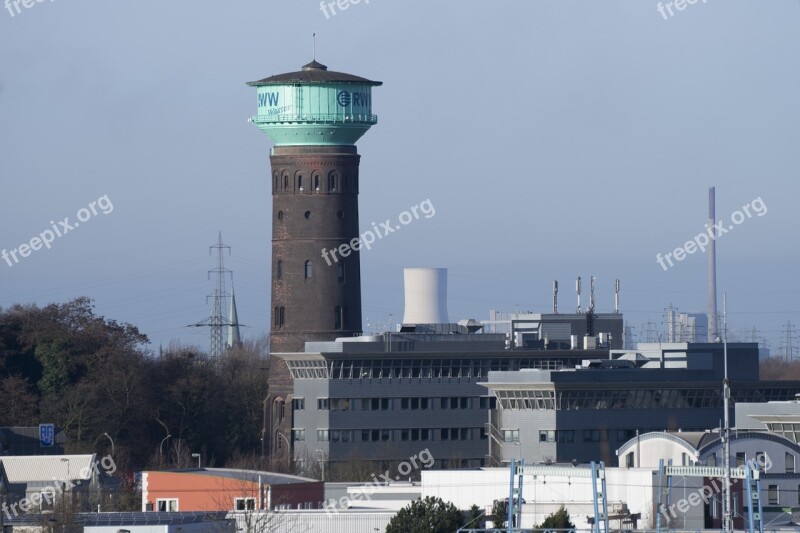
112 442
67 481
288 450
197 456
321 461
161 446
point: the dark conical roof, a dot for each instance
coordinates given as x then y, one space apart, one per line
314 65
314 72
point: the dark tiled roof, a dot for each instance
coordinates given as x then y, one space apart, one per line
313 72
696 439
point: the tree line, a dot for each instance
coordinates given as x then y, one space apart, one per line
93 376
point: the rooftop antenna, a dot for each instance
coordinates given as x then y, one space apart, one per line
591 294
713 333
555 297
727 516
616 296
314 46
578 289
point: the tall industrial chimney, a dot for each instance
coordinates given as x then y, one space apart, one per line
713 334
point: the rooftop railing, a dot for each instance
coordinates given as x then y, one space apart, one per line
314 118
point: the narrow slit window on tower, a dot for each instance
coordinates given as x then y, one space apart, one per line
286 182
282 317
341 271
337 318
309 270
279 270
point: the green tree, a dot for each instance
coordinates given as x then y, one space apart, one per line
431 515
558 520
499 516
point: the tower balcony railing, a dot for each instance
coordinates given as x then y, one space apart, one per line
314 118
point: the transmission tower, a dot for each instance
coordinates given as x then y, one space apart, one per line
217 322
788 336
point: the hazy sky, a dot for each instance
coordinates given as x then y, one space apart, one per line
555 138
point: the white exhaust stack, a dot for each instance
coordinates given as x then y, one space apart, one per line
425 296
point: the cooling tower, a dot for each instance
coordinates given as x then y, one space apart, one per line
425 296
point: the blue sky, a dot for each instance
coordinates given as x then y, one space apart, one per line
555 138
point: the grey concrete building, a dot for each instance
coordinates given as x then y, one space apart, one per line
782 418
389 396
586 414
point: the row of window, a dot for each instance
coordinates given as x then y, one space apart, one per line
568 435
389 435
164 505
683 398
774 495
308 216
340 319
434 368
300 182
308 270
405 404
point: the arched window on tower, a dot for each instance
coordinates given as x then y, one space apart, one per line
309 270
340 317
332 182
316 182
279 317
299 180
285 182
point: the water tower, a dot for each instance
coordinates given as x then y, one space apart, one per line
314 117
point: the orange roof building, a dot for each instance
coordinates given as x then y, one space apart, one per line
227 489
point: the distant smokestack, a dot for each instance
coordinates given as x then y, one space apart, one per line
555 297
712 270
425 296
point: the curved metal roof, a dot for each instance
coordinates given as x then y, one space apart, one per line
313 72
